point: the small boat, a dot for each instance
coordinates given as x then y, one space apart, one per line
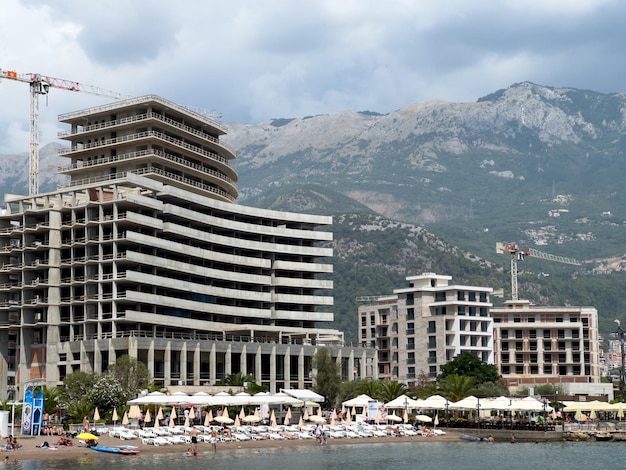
116 450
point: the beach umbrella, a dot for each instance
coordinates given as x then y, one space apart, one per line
256 412
301 423
348 420
289 413
405 418
156 424
242 413
148 417
353 412
286 421
208 418
237 421
96 415
125 419
87 436
593 416
364 413
578 415
173 413
319 411
186 422
436 419
115 417
225 413
620 412
343 410
378 418
160 413
306 415
273 419
192 413
172 418
424 418
134 411
251 419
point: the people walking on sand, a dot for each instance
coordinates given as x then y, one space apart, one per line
86 424
214 439
194 439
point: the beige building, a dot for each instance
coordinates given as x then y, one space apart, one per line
145 252
425 325
535 345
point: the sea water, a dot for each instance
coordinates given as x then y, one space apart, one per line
421 455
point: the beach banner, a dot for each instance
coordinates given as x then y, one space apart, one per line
37 412
372 409
27 412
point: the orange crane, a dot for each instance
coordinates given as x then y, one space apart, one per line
40 85
518 253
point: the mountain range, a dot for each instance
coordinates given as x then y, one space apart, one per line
437 184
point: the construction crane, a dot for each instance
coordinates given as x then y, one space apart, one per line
519 253
40 85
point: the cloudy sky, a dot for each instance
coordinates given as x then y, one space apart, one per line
253 60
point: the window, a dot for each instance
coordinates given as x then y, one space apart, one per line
410 343
440 296
432 357
547 334
409 298
410 358
432 327
504 334
432 342
484 341
363 320
410 314
432 371
483 297
460 295
461 310
472 296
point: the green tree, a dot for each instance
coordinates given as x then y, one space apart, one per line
467 364
108 393
491 389
237 380
370 388
76 391
133 375
456 387
327 378
50 399
391 390
548 389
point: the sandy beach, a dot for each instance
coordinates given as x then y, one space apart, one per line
31 449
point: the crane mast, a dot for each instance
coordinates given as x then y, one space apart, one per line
519 253
40 85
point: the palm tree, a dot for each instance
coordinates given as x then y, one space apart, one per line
370 388
390 390
456 387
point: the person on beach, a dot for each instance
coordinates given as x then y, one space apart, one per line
214 439
86 424
512 438
490 439
194 440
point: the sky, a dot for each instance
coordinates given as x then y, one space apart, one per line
255 60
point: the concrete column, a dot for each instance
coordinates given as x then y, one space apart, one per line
287 367
183 363
196 364
257 365
351 365
301 368
243 362
151 358
213 365
167 364
273 370
228 361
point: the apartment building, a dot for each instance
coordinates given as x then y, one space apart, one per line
146 252
425 325
535 345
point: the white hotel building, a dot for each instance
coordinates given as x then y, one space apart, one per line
145 252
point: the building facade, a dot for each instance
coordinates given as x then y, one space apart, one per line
535 345
145 252
424 326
